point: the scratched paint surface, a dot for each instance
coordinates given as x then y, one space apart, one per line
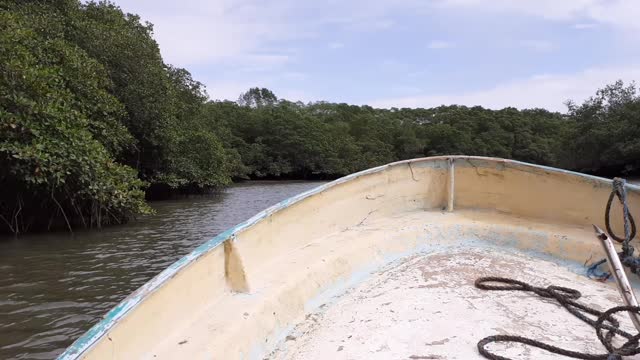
426 307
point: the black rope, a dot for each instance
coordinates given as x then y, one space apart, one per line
606 326
619 190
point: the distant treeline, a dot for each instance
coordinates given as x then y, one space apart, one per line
92 120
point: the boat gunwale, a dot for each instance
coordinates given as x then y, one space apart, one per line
113 316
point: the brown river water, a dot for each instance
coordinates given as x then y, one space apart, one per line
54 286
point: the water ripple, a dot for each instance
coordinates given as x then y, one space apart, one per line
55 286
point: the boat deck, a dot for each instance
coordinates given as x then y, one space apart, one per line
426 307
414 300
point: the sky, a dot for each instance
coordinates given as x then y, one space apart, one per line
401 53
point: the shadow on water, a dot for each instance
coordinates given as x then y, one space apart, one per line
55 286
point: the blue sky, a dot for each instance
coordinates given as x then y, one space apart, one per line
402 53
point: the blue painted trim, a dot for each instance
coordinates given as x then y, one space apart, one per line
89 338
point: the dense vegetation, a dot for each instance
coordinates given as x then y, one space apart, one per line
92 119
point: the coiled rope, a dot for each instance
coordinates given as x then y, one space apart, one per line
626 256
606 326
618 189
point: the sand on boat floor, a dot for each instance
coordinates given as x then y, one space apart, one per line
426 307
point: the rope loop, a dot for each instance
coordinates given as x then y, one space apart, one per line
606 326
619 190
512 284
628 348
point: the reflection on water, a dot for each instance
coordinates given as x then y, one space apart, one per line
55 286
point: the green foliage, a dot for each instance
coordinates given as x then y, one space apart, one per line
257 97
58 130
607 129
141 81
163 103
84 98
324 140
194 155
90 115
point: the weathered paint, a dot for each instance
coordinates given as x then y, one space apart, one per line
325 230
419 309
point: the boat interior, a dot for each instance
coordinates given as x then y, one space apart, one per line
381 265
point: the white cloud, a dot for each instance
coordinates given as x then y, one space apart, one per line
199 31
439 44
241 36
543 91
551 9
192 32
622 13
617 13
204 31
